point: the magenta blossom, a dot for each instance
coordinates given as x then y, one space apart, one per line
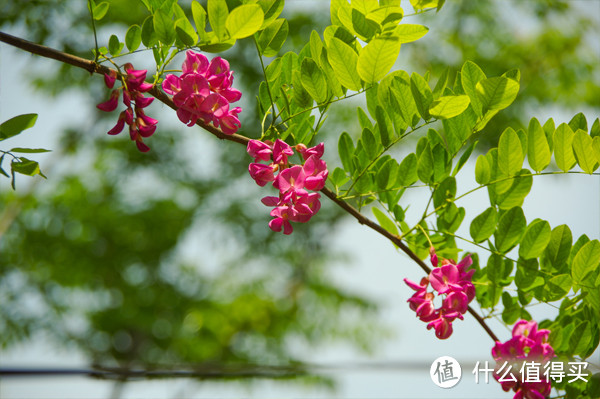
295 202
140 125
203 92
451 280
528 344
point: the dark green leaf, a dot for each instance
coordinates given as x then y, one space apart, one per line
149 37
271 10
385 128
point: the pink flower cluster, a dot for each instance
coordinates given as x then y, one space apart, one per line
451 280
527 344
140 125
295 203
204 91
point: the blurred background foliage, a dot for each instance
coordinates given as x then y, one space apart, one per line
146 260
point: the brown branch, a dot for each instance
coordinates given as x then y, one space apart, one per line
94 67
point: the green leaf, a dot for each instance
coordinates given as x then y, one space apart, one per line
244 21
407 33
313 80
482 170
377 58
370 143
578 122
401 94
471 74
16 125
563 147
149 37
445 192
558 249
596 148
464 158
425 165
271 10
100 10
164 27
387 175
384 125
133 37
385 221
538 150
346 150
512 310
343 60
586 261
199 16
535 240
496 93
407 174
449 106
516 192
365 28
217 16
271 39
26 167
510 156
511 228
185 31
28 150
584 151
484 225
421 93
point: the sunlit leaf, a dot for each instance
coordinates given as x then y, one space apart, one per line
496 93
244 21
133 37
510 155
584 151
407 33
16 125
538 150
535 240
563 147
484 225
343 60
449 106
271 39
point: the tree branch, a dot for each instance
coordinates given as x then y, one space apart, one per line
94 67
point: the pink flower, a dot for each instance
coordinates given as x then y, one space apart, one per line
281 152
290 179
111 104
204 92
308 152
528 344
316 173
259 151
282 215
262 174
450 280
140 125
